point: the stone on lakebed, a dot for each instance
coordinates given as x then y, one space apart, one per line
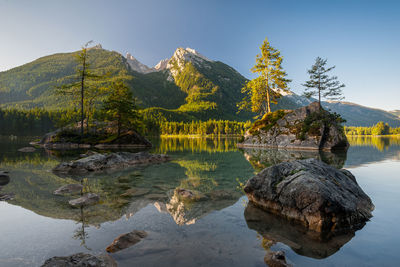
126 240
88 199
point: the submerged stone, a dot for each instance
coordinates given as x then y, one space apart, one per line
276 259
126 240
27 149
86 200
317 195
81 260
69 189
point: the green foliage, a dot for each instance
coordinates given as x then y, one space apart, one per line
33 122
265 89
314 122
380 128
268 121
200 93
321 84
210 127
120 106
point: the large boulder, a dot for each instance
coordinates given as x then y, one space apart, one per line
81 260
313 193
308 127
101 162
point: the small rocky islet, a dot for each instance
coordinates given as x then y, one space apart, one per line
103 138
305 128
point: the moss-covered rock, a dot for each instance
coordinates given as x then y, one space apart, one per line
309 127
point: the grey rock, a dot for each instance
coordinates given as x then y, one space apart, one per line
102 162
86 200
27 149
69 189
276 259
126 240
283 133
191 195
317 195
81 260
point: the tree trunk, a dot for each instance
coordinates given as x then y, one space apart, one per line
319 91
119 126
268 101
82 92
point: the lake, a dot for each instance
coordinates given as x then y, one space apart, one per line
219 231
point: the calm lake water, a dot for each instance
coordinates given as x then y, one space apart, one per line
220 231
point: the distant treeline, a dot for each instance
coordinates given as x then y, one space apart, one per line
39 121
210 127
27 122
380 128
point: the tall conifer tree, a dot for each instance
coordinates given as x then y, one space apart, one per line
321 83
268 86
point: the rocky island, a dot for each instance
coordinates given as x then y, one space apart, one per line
309 128
70 138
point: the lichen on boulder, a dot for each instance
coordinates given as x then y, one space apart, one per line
309 127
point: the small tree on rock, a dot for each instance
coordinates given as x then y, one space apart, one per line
268 86
321 83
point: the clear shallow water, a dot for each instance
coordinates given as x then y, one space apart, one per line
221 231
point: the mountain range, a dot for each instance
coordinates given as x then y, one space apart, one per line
188 86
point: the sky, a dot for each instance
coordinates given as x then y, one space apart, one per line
361 38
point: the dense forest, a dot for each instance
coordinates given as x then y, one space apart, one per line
27 122
379 129
39 121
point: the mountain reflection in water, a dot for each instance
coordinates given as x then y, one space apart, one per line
212 167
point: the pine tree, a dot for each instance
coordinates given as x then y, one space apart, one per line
321 83
79 88
267 87
120 106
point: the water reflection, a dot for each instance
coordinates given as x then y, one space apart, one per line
208 170
379 142
261 158
304 242
210 167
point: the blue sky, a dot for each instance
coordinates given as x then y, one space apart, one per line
360 37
